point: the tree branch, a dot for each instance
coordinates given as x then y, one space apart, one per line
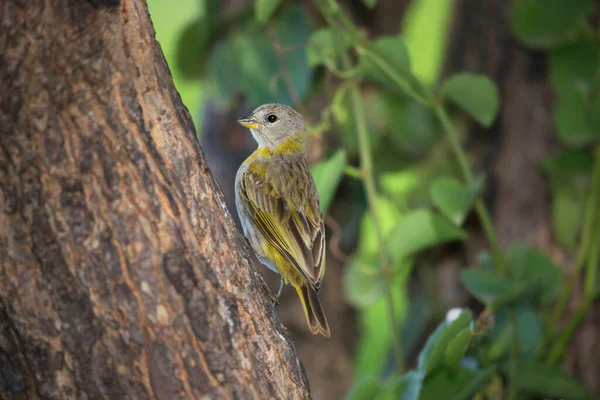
121 273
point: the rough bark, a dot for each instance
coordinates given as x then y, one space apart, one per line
509 152
122 275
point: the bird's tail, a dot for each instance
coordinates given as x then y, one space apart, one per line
315 317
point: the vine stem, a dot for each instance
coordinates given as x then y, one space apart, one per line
513 387
588 222
480 209
594 251
329 10
562 342
366 163
588 250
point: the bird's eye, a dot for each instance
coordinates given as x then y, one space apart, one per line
272 118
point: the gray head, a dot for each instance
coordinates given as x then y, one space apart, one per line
273 124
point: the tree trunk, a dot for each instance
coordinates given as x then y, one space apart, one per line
122 275
509 152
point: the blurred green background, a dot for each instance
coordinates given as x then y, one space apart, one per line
478 126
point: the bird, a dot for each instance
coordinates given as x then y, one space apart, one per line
278 205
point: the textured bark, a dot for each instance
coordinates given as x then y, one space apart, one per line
509 152
122 275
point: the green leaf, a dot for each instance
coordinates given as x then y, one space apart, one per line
453 199
448 383
366 388
369 3
408 388
567 217
434 338
192 49
485 285
574 64
433 354
265 8
413 127
323 48
527 265
575 117
476 94
529 331
520 292
502 344
572 73
387 55
548 23
393 51
171 24
373 348
544 380
245 61
425 30
458 347
363 282
569 173
417 317
327 175
388 215
421 229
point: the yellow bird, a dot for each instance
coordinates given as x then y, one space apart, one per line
278 206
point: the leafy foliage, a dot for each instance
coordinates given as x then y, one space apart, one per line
548 23
476 95
398 142
327 175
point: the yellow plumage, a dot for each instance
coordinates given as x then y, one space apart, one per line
279 207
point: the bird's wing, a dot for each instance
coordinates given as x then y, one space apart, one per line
282 201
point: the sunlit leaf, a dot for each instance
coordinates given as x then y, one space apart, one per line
265 8
388 215
327 175
475 94
363 282
548 23
419 230
425 31
374 346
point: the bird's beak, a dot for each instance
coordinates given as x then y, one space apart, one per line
248 122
